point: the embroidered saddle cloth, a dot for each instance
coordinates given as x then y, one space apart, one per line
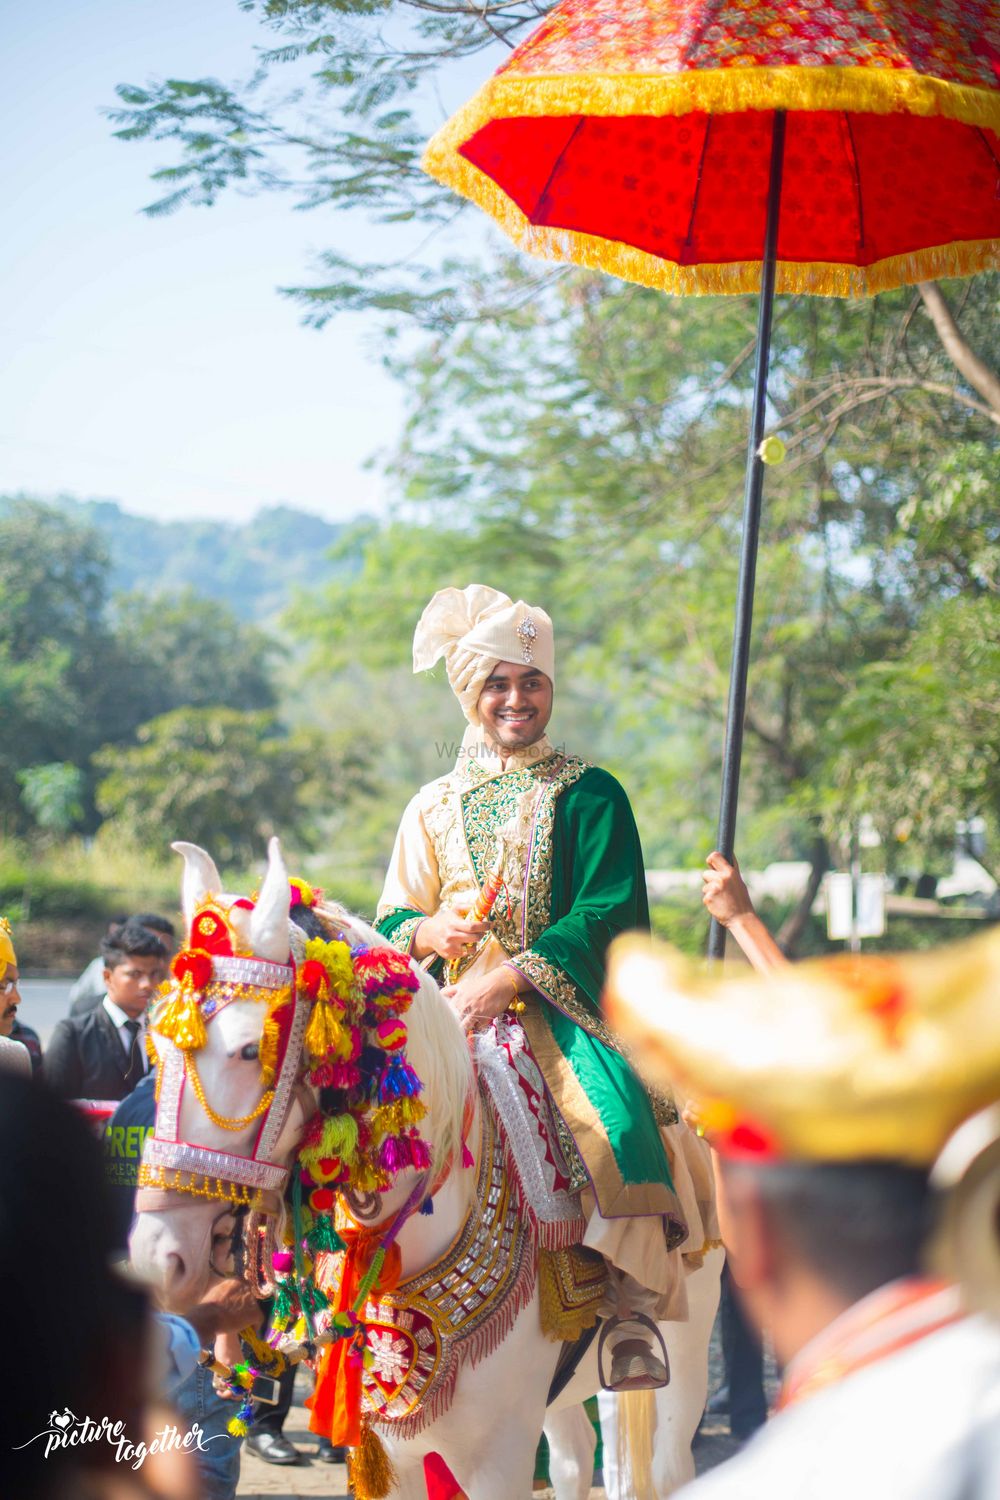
419 1335
542 1154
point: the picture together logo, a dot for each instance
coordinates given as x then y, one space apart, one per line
65 1430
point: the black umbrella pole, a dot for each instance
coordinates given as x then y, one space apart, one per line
751 531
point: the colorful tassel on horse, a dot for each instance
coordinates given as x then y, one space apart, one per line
270 1037
335 957
241 1424
337 1144
395 1154
286 1305
326 1032
393 1119
420 1152
331 1074
182 1020
313 1299
323 1237
369 1469
367 1177
398 1081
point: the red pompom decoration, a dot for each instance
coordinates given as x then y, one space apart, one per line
314 980
321 1200
391 1035
193 963
327 1169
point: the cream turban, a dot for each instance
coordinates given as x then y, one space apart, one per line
474 628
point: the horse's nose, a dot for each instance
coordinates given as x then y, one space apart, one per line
174 1276
167 1262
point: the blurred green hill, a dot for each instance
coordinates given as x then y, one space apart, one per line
253 567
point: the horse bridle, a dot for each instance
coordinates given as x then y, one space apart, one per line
175 1166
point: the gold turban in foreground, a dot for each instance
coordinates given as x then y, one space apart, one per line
836 1059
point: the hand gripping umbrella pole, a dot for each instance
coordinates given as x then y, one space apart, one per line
752 500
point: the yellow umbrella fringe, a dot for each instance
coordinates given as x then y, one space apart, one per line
866 90
820 278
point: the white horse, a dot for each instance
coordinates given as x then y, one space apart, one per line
487 1432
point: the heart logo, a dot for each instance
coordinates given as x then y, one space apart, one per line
64 1420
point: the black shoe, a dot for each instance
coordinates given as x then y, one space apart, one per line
326 1453
744 1430
272 1447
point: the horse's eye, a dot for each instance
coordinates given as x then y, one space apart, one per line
250 1052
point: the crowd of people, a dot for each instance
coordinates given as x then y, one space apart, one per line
825 1189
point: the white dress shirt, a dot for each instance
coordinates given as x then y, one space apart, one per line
920 1424
119 1017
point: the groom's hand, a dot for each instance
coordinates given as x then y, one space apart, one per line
476 1000
448 934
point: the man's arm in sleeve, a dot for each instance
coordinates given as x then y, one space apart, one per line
62 1068
412 889
599 882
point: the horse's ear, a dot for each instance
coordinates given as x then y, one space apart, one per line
201 878
269 919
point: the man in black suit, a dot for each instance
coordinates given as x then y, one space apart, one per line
102 1055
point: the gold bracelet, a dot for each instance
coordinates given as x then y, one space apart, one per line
516 1004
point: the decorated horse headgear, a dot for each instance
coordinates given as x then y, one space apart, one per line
343 1005
340 1008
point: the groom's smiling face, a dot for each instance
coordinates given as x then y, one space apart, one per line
515 705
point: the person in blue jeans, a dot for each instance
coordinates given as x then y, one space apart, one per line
192 1394
230 1307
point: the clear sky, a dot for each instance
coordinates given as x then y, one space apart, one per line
151 360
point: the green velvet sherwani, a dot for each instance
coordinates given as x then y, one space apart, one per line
574 880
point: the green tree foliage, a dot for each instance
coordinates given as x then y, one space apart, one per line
81 670
232 563
214 776
187 650
917 741
53 795
55 647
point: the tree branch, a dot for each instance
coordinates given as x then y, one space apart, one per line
958 349
792 930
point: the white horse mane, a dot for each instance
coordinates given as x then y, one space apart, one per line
436 1048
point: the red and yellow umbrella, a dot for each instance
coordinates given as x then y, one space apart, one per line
635 138
838 147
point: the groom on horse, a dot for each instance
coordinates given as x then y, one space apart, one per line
510 876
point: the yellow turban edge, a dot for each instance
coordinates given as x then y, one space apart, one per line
836 1059
7 954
